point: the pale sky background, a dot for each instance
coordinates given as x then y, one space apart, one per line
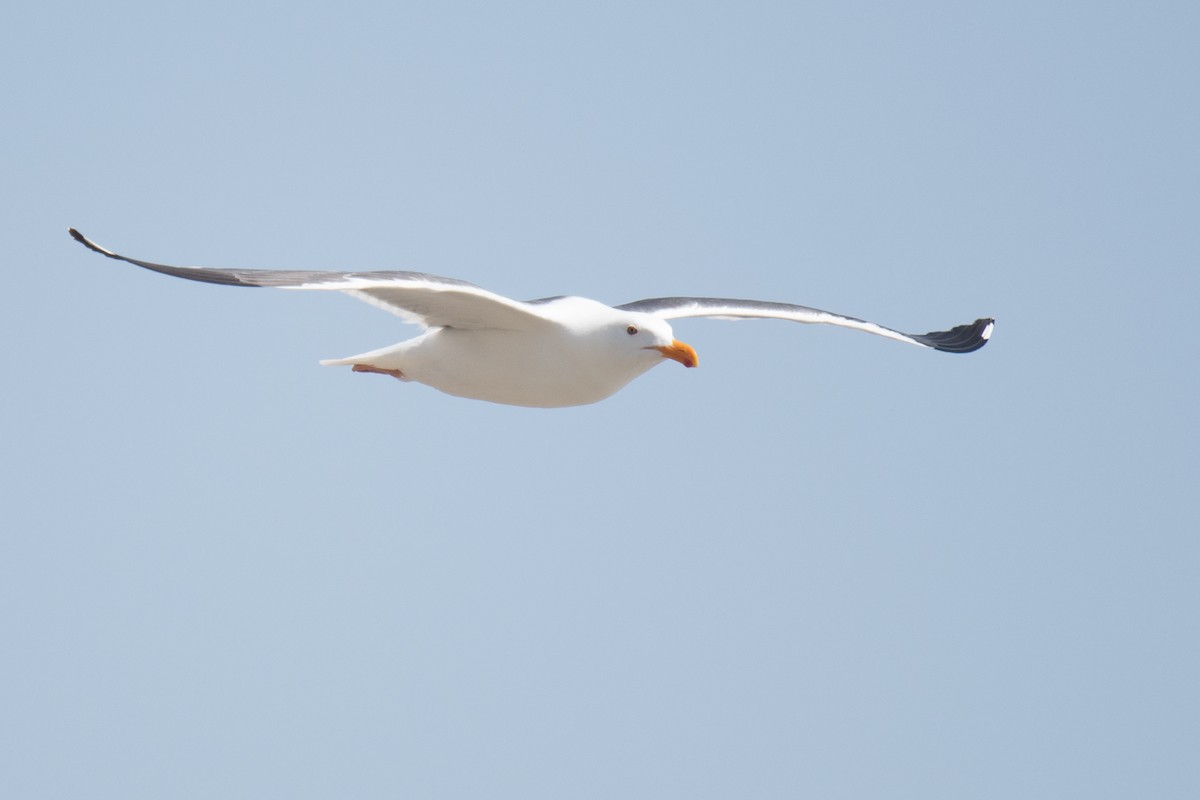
822 565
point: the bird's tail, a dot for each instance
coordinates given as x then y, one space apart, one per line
384 358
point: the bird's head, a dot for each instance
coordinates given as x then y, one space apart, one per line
651 335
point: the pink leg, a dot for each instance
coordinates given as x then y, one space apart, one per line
395 373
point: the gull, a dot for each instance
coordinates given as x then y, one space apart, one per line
547 353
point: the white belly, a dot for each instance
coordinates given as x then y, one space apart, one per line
516 367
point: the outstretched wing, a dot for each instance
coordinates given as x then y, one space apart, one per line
960 339
416 297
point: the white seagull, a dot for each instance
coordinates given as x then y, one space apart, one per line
548 353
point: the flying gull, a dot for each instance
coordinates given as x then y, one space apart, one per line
552 352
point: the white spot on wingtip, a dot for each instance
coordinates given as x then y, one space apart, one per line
987 332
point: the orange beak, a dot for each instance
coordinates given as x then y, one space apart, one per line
678 351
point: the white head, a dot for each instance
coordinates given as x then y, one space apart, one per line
633 338
649 337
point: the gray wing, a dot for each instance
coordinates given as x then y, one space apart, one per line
961 339
429 300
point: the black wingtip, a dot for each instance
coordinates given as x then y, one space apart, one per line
962 339
88 243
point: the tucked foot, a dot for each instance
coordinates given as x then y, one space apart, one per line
395 373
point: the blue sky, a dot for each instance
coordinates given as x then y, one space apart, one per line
823 564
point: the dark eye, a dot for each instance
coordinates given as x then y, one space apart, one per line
631 330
